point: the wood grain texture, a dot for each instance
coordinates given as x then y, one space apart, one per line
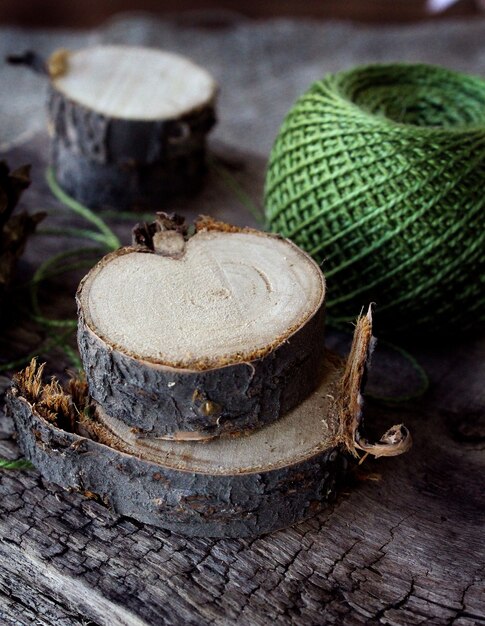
374 558
223 298
110 155
402 545
133 82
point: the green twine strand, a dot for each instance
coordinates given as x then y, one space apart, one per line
21 464
378 172
110 239
105 236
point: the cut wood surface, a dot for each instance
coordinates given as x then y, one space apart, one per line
227 298
402 545
135 83
225 335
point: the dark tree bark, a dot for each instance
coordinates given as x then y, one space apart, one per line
184 401
226 400
126 164
14 229
206 495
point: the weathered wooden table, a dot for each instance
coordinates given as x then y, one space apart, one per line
403 543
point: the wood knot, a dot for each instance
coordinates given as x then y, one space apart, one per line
166 235
58 63
169 243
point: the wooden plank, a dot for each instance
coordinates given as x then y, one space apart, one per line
402 544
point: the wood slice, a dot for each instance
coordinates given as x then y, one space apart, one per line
214 335
128 124
237 487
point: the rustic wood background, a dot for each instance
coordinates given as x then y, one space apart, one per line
403 543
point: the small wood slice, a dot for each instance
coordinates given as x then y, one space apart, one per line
129 125
238 487
217 334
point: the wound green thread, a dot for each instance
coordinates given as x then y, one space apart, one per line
379 173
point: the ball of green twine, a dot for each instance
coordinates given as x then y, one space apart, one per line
379 173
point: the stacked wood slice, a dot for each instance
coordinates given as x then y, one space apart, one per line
213 408
190 338
128 124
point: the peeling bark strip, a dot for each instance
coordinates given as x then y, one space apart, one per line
238 487
128 125
217 334
394 441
